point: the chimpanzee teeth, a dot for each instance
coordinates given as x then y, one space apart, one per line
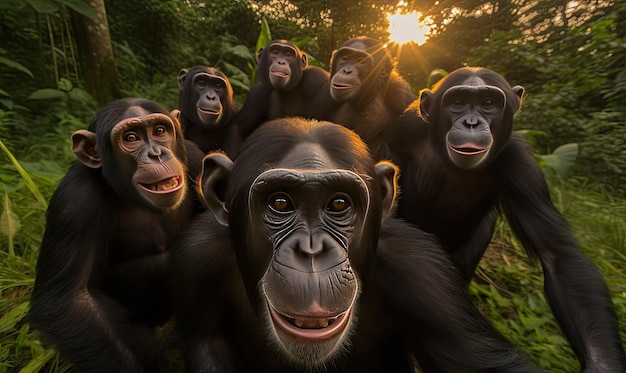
165 184
317 323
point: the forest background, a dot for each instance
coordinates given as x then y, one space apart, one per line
60 60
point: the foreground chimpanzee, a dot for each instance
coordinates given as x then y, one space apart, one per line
205 106
298 267
464 165
286 88
101 281
365 93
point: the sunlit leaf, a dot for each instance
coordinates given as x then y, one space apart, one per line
265 36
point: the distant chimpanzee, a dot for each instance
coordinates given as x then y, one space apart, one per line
101 281
464 165
298 267
366 93
286 88
205 106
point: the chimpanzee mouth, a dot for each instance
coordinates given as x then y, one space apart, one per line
210 111
468 149
343 86
168 185
279 74
310 328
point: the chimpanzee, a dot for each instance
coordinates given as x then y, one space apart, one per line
298 266
463 165
101 282
287 86
205 106
365 93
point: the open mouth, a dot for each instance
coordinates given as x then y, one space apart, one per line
164 186
310 328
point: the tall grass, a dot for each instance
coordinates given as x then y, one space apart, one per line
509 288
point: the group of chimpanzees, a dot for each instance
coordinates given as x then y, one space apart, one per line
297 245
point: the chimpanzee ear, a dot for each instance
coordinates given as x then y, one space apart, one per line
176 114
518 90
258 54
304 60
387 175
216 168
425 101
84 148
182 74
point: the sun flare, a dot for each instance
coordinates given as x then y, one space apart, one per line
405 28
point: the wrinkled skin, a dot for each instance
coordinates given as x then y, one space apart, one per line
298 266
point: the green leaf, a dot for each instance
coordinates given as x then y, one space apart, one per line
16 65
65 85
9 221
563 159
37 362
47 94
240 51
81 7
45 6
29 181
9 321
265 36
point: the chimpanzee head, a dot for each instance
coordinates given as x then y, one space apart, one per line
361 68
470 112
280 65
206 96
304 204
139 149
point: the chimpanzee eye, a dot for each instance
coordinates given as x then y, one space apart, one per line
131 137
338 204
487 102
160 130
280 202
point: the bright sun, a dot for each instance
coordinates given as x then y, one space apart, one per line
405 28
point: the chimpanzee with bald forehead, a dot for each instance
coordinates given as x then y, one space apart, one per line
286 88
461 165
102 268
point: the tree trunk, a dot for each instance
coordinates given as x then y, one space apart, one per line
102 79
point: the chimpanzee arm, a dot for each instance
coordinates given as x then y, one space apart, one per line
444 330
202 278
574 286
82 322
